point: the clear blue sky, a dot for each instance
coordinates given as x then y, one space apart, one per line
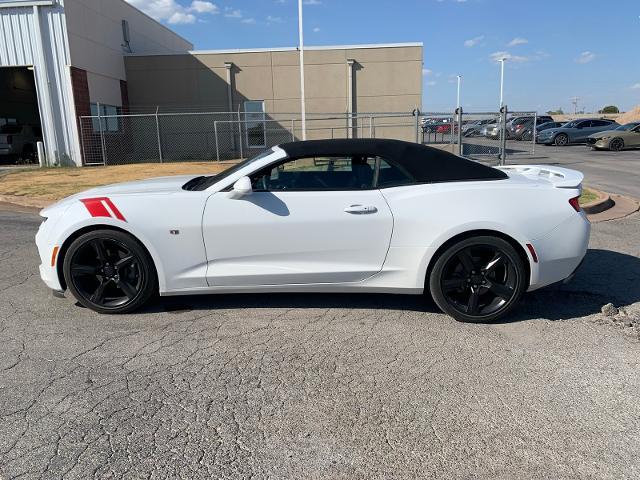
558 49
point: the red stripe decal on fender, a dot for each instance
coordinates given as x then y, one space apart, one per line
97 207
114 209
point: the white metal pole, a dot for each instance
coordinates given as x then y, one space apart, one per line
502 60
458 100
303 113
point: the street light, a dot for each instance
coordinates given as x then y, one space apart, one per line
301 49
458 98
502 60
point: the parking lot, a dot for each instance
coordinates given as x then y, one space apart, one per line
325 386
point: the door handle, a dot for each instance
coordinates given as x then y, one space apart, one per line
361 209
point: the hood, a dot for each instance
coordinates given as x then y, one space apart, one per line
158 185
605 133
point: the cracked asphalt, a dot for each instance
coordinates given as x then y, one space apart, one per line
320 386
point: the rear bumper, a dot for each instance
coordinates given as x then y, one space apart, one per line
560 252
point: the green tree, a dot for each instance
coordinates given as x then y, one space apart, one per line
610 109
555 112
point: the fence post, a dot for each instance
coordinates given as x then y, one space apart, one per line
240 133
503 134
293 127
215 133
158 134
459 113
416 112
102 144
533 133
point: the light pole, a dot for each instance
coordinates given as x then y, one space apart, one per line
502 60
458 98
303 113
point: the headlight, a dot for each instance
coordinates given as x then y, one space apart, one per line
603 138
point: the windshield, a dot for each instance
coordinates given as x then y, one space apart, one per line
202 183
571 124
628 126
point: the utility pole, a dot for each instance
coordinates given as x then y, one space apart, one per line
459 81
502 60
574 101
303 112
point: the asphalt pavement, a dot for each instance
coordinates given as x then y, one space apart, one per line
321 386
613 172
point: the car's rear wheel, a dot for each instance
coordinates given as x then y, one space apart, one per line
616 144
109 271
479 279
561 140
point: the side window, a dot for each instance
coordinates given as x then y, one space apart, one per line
599 123
390 175
585 124
317 173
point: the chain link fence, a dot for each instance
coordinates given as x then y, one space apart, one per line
181 136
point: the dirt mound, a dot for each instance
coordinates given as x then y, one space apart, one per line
630 116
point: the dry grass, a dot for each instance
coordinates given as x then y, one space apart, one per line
587 196
630 116
57 183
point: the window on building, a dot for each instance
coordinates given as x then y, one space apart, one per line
110 122
255 124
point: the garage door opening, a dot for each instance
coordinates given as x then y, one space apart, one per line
20 127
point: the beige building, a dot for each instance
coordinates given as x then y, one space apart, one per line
359 78
84 63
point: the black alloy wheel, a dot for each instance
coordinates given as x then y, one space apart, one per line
109 272
479 279
616 144
561 140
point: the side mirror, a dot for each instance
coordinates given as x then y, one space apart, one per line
243 186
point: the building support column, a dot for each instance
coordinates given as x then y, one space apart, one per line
351 104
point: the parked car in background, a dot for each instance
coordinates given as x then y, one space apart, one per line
517 125
526 133
625 136
575 131
473 129
18 142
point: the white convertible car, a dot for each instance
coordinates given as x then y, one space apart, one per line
323 216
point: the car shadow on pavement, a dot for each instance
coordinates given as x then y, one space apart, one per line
605 276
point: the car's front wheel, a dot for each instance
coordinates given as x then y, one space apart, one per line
109 271
479 279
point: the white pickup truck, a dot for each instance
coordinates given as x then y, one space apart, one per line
19 142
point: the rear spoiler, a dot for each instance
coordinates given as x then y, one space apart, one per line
558 176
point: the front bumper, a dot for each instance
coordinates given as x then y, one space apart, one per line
48 265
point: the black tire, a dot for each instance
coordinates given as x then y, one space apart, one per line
109 271
478 279
561 140
616 144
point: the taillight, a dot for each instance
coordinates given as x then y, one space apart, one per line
9 139
574 202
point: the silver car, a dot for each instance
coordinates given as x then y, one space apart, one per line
576 131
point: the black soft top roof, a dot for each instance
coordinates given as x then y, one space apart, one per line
424 164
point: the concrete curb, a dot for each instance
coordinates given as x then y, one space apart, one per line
623 207
603 202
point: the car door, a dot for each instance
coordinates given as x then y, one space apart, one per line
632 139
581 131
307 220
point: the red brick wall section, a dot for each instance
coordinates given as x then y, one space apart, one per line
80 88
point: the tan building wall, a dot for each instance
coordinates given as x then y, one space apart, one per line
96 42
386 79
